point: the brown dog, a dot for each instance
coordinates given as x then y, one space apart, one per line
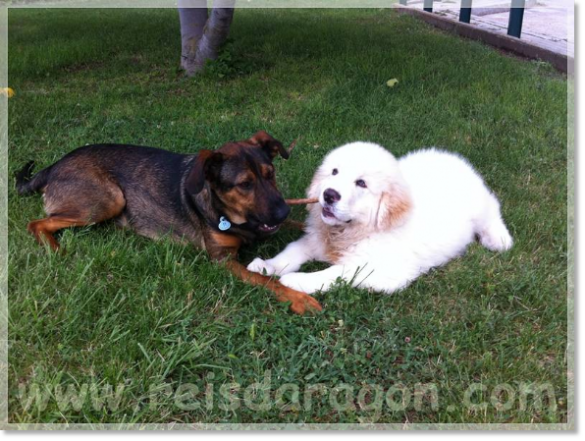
216 200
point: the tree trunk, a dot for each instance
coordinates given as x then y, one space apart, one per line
202 36
192 16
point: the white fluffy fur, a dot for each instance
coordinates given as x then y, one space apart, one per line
416 213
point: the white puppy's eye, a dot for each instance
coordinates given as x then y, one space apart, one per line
361 183
334 172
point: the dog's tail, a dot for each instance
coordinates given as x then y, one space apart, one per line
26 183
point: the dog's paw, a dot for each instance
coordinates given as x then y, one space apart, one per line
261 266
299 282
305 303
496 237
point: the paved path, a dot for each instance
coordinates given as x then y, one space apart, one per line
547 23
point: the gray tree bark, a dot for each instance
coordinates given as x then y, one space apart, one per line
202 34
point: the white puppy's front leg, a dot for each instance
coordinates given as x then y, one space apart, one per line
289 260
320 280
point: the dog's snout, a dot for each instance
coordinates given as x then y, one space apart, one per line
331 196
281 213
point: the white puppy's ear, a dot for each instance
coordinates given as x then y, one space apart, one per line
395 203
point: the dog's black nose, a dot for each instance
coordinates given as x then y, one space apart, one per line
331 196
281 213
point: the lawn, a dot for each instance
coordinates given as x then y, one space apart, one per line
172 332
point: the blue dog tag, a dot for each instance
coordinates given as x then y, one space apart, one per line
224 224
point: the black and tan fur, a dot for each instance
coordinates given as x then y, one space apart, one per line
156 192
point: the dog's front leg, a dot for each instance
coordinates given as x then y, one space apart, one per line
320 280
290 259
224 247
300 302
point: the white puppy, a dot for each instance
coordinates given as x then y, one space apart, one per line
381 222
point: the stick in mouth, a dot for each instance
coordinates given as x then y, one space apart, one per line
302 201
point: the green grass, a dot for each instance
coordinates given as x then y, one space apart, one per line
120 309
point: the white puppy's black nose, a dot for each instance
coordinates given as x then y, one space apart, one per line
331 196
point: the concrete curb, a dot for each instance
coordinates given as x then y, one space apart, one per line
517 46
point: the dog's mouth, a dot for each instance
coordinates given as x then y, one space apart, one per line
328 213
330 218
265 228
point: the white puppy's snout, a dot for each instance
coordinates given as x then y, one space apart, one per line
331 196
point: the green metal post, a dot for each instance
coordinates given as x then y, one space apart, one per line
465 13
516 17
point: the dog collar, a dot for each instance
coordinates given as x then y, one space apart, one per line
224 224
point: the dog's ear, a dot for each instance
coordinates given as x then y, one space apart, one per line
395 203
270 145
204 167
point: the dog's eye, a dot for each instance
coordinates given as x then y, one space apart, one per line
334 172
246 185
361 183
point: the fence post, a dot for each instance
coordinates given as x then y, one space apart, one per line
428 6
465 13
516 16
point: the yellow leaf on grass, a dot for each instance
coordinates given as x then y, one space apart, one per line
7 91
391 83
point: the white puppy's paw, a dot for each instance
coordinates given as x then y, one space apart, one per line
261 266
299 281
497 237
